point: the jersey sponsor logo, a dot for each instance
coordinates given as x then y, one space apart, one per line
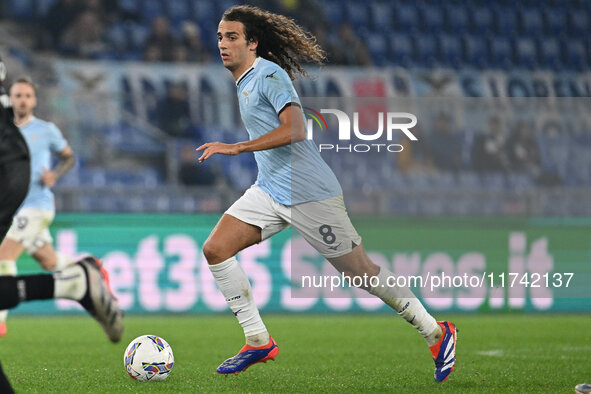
272 75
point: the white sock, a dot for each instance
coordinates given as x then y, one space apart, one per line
404 302
235 287
62 262
70 283
7 267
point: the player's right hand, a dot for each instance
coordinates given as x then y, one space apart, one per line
211 148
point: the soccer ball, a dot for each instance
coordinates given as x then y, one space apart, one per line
148 358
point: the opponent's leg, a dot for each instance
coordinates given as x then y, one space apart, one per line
82 282
230 236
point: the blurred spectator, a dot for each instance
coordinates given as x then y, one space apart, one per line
152 53
180 54
110 10
161 37
351 51
84 36
445 145
415 155
174 115
192 173
488 151
58 18
523 150
322 38
191 41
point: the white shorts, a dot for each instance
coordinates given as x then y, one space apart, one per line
30 227
324 224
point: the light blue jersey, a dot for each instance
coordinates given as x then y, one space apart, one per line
43 138
291 174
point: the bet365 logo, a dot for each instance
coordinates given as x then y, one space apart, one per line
389 123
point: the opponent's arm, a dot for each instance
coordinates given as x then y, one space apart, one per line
67 159
290 130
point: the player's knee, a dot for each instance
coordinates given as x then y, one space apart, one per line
214 252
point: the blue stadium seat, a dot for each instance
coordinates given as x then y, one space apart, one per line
43 6
223 5
457 18
426 49
549 53
520 182
93 177
394 180
130 5
204 11
151 9
493 182
357 13
406 16
475 52
506 21
381 16
555 21
21 9
333 11
178 11
450 49
377 45
531 21
468 181
578 22
117 36
431 17
138 34
402 49
501 55
574 54
482 20
443 181
525 49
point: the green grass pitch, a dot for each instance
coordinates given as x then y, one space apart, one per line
318 353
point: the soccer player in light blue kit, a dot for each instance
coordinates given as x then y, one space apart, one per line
262 51
30 227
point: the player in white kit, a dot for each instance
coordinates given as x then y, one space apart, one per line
262 51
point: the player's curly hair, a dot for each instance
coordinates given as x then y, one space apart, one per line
280 39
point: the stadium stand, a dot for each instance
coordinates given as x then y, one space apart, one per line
465 36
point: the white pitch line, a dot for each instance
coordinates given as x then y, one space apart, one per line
491 353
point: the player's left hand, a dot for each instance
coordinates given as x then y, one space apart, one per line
48 178
211 148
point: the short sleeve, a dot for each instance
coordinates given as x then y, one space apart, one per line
57 141
278 89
